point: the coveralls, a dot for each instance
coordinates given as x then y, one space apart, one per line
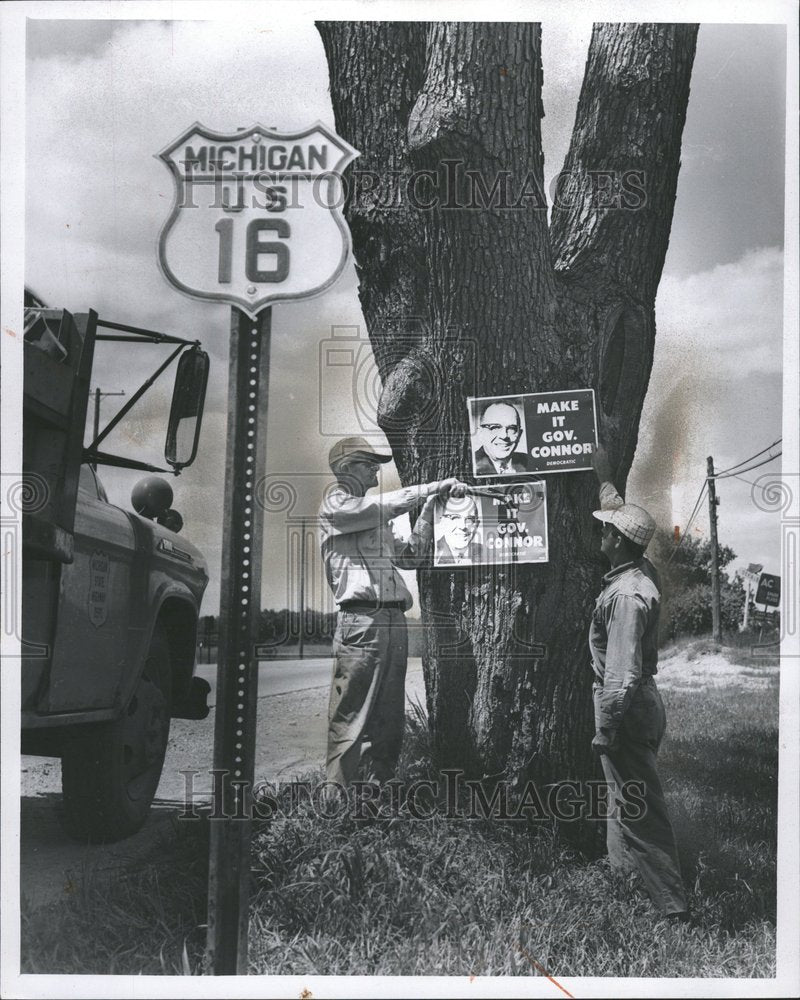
366 711
630 713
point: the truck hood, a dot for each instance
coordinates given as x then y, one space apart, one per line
173 547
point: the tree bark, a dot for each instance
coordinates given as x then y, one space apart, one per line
467 291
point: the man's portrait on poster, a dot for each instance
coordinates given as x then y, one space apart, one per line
498 436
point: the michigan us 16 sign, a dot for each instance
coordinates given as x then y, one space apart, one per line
256 216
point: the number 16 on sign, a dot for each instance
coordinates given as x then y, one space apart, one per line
256 244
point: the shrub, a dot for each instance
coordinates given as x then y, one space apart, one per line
688 611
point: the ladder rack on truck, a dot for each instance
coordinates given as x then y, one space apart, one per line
110 596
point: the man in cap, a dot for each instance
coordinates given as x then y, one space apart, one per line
629 713
366 711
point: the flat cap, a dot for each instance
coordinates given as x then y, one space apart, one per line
354 447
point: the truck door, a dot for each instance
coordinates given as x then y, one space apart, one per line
92 638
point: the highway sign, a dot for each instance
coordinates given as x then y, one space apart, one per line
752 573
257 215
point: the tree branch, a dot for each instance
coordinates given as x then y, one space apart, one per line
376 71
615 201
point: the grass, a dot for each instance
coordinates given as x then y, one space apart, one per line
457 897
146 920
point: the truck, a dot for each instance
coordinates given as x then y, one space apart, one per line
110 596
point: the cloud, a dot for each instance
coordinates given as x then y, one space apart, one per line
715 389
726 319
94 181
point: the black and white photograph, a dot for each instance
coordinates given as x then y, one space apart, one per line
498 433
537 432
492 527
458 532
400 499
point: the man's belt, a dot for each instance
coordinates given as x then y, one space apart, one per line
370 606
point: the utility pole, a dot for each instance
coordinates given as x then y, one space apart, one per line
301 638
98 395
716 621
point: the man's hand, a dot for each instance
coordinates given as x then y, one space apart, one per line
451 487
602 465
602 744
426 511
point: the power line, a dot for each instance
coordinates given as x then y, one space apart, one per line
746 460
692 516
728 475
750 482
734 471
749 467
709 484
696 510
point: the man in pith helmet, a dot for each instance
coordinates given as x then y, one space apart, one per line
629 714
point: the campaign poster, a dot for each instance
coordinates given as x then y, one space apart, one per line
492 526
533 432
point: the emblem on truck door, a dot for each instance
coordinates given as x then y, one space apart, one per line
99 566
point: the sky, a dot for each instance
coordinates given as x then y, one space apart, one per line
103 97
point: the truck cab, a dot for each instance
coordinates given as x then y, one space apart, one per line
111 596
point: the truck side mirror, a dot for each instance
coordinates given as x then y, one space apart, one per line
186 412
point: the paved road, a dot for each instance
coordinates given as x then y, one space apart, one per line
292 713
280 676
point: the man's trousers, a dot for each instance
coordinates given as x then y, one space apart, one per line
639 835
366 712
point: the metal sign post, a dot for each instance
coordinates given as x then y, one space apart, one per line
237 666
302 599
256 219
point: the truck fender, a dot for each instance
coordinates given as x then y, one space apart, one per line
177 613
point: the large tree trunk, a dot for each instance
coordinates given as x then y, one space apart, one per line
485 299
